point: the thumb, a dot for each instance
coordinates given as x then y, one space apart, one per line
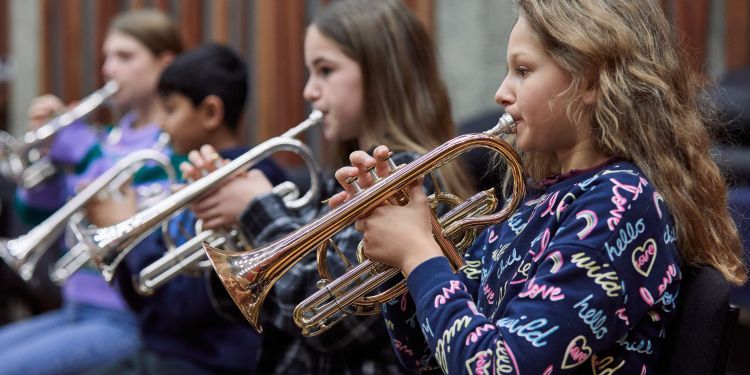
416 191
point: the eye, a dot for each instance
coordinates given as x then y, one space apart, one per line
123 56
325 71
522 71
168 107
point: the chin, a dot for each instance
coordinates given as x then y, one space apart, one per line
328 134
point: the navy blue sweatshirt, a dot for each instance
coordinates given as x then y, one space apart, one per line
582 278
179 320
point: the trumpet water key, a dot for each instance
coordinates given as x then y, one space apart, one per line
22 159
249 276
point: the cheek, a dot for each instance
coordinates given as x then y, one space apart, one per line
353 108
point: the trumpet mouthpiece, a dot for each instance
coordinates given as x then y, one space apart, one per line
505 125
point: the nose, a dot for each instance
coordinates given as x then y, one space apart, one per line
108 68
504 94
311 92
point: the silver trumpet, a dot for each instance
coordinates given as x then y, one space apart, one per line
147 195
190 258
23 253
109 246
22 159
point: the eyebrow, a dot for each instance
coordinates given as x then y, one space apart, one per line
516 54
320 59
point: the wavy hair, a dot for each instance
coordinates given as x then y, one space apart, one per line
649 108
406 102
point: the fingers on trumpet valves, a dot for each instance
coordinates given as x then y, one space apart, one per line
372 168
352 181
343 175
197 164
204 161
384 163
187 169
364 163
365 171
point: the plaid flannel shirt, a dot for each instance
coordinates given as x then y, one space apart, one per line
355 345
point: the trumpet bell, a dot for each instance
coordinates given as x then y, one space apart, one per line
247 293
22 254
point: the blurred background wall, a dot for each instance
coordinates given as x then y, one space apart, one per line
54 46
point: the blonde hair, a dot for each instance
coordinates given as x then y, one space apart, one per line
406 103
648 109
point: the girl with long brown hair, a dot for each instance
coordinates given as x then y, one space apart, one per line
373 75
585 274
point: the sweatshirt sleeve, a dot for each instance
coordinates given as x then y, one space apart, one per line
532 333
406 333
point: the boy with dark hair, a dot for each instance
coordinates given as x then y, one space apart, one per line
203 92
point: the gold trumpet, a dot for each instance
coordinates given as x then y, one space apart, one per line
249 276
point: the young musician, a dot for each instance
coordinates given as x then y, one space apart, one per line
374 75
584 276
204 92
94 325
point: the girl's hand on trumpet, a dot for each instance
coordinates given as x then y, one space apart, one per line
222 207
42 109
400 236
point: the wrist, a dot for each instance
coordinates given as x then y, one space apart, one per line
423 252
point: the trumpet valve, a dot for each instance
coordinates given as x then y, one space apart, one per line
373 174
391 164
353 182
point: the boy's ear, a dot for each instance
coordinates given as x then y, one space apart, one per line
165 58
212 111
